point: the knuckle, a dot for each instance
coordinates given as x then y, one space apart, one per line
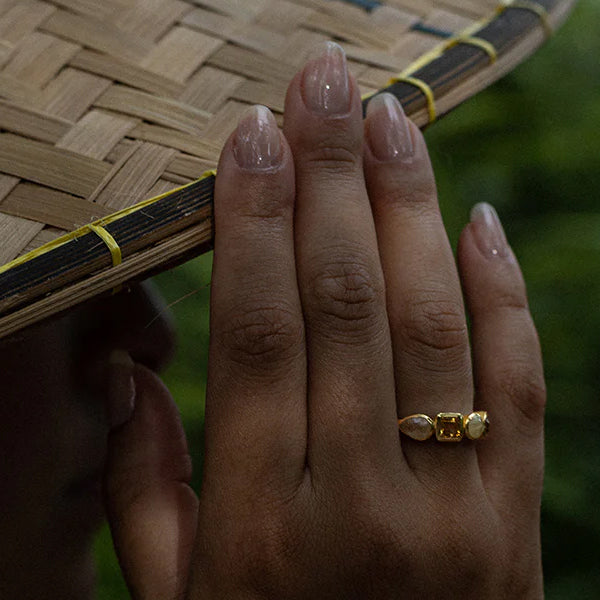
381 549
503 292
420 196
269 203
265 215
382 541
262 336
346 296
381 535
333 158
436 328
464 547
268 554
126 500
524 386
512 298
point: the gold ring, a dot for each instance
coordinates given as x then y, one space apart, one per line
447 426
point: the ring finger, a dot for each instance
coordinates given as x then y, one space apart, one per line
425 307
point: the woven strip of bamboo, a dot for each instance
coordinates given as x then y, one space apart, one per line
106 103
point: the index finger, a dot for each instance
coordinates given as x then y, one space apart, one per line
256 393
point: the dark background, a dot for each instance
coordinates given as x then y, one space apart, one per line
530 146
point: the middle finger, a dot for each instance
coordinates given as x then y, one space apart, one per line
350 369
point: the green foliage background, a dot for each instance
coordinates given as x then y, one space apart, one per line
529 145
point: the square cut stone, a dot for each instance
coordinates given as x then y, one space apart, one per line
449 427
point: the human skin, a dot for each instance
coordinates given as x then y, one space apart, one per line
61 397
337 307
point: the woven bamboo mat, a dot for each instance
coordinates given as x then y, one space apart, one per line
107 103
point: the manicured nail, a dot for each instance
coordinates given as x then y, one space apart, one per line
326 85
121 388
488 231
388 131
257 144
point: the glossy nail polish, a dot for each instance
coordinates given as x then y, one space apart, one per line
326 83
257 144
388 131
488 231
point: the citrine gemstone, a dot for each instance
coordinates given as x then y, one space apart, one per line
449 427
477 425
417 427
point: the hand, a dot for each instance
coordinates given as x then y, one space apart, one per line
337 308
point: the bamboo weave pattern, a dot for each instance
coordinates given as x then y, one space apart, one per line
105 103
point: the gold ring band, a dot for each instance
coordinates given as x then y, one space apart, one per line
447 426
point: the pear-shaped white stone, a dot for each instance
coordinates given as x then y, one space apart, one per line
417 427
476 426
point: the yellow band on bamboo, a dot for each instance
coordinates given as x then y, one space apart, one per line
111 243
425 88
475 41
73 235
534 7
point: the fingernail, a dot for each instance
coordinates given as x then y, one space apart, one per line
388 130
257 144
325 84
488 231
121 388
